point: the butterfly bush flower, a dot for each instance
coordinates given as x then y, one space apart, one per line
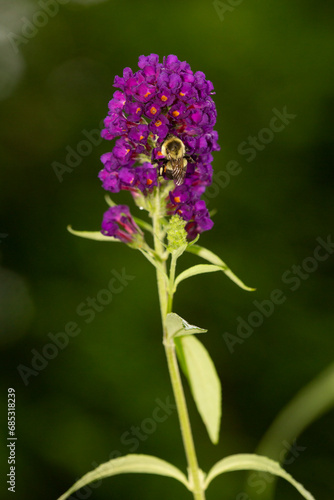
162 120
157 100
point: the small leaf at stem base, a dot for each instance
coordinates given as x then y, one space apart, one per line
177 326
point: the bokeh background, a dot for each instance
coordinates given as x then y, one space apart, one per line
56 78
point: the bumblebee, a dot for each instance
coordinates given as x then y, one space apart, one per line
175 163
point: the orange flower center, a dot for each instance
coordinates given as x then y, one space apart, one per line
175 113
153 110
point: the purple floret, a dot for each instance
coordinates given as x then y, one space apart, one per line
119 223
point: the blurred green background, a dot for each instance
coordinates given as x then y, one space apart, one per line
56 79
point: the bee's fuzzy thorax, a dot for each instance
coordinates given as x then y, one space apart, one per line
173 146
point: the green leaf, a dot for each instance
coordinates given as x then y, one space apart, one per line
145 464
143 224
194 270
194 241
308 405
177 326
254 462
206 254
93 235
203 380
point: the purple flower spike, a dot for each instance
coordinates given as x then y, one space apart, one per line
118 222
159 100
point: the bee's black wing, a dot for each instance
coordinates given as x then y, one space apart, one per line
179 170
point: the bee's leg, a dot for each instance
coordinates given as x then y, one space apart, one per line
168 170
162 169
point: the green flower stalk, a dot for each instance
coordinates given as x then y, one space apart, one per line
163 117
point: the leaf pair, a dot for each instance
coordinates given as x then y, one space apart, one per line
206 390
216 264
148 464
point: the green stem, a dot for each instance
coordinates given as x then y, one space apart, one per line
166 301
182 410
171 283
159 249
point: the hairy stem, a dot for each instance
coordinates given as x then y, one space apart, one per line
166 300
171 284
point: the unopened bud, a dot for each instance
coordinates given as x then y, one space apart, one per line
176 234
